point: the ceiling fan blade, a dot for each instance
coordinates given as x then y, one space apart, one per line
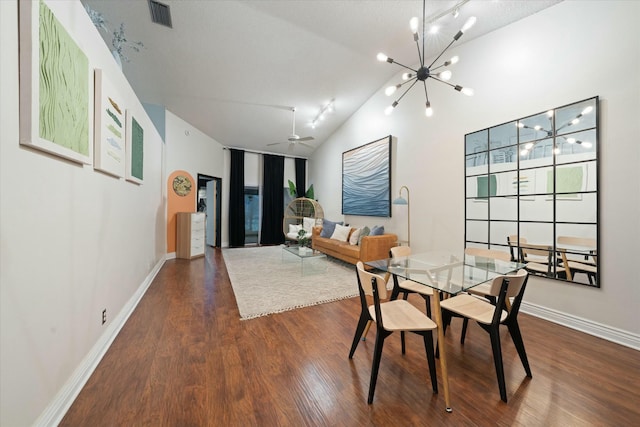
307 145
274 143
306 138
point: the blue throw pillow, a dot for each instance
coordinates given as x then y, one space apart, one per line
377 230
364 232
328 227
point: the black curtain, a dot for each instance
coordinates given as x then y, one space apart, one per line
236 199
300 176
272 200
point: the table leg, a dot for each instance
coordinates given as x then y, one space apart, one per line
441 348
566 265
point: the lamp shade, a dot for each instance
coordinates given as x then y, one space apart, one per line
400 201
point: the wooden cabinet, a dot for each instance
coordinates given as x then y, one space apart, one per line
190 235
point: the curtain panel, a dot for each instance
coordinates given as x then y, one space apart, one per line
301 166
236 199
272 200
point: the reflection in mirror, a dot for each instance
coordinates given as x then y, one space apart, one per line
535 180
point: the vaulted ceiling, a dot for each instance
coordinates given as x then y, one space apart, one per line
235 68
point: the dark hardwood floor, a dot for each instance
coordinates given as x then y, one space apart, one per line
185 359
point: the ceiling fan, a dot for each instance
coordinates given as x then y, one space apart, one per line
294 139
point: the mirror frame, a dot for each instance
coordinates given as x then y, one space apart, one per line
502 171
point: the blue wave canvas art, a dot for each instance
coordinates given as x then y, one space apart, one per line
366 179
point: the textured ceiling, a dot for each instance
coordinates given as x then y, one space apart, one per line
233 69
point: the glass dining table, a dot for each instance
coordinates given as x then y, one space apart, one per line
449 274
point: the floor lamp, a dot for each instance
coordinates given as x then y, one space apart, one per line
402 201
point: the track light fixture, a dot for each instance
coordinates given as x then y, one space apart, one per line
328 108
425 72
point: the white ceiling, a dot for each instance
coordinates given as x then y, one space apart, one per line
234 68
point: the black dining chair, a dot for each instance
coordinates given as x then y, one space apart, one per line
491 316
389 317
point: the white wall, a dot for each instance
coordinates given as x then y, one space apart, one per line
73 242
566 53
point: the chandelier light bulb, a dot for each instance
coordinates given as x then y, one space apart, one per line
429 111
406 76
575 121
467 91
528 146
587 110
445 75
382 57
520 125
470 22
391 90
556 150
586 144
413 23
571 140
524 152
455 59
434 29
537 127
550 113
388 110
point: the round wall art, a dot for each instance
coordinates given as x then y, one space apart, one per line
181 185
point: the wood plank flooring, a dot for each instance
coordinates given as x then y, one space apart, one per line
185 359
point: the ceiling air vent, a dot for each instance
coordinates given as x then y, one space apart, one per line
160 13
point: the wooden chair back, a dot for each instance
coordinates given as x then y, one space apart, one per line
488 253
400 251
367 281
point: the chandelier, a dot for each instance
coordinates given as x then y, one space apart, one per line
425 72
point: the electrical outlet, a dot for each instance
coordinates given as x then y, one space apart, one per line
104 316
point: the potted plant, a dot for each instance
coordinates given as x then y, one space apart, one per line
303 240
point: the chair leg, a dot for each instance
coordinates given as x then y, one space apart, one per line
516 336
431 360
366 330
362 323
402 341
497 360
377 354
465 322
428 304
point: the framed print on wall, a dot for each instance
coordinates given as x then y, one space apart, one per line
134 149
109 131
366 179
55 86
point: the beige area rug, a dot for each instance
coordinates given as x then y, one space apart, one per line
265 280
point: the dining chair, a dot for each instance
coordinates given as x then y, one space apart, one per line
389 317
577 263
514 247
491 316
538 258
484 289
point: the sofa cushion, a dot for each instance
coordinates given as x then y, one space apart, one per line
341 233
363 233
328 227
377 230
355 236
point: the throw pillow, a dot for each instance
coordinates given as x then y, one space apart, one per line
364 231
377 230
307 224
341 233
355 236
294 228
328 227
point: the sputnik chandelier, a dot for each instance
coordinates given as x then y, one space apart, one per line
425 72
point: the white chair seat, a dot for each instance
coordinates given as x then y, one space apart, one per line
472 308
482 289
400 315
418 288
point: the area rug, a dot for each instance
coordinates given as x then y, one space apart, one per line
266 281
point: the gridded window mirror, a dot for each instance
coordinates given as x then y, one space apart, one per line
531 188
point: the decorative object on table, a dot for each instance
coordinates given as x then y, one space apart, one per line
54 88
182 185
402 201
109 131
119 39
425 72
134 149
366 179
304 238
257 296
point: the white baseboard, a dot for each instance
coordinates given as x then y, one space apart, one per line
170 255
608 333
55 411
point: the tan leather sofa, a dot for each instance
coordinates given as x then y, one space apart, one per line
370 248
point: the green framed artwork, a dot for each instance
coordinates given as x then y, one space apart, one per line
55 86
135 150
109 127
